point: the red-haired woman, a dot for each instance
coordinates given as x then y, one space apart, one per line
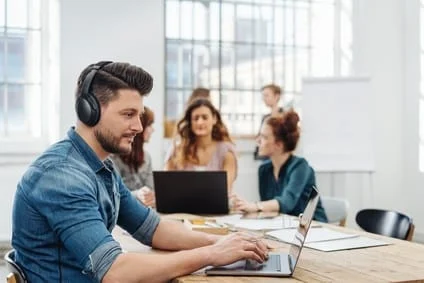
285 180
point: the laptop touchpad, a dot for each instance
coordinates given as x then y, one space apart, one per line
272 264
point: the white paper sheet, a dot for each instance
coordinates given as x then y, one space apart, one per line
346 244
317 234
230 220
279 222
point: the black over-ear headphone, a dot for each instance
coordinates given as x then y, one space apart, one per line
87 106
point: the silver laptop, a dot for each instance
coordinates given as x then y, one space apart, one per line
278 264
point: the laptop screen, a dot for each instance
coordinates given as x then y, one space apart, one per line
302 230
198 192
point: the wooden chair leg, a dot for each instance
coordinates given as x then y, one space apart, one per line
410 233
11 278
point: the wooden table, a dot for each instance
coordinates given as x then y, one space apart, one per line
401 261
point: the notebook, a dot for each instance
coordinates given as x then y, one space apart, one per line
278 264
198 192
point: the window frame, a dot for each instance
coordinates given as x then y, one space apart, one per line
339 54
23 147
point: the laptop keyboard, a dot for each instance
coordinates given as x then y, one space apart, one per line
273 263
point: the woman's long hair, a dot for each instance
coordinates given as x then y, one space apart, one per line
186 149
135 158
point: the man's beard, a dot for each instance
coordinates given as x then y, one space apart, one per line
110 143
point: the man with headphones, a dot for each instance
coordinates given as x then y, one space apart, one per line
70 199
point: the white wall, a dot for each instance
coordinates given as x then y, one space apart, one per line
385 47
128 31
378 51
411 191
9 175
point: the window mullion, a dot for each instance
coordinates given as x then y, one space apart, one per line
6 67
289 38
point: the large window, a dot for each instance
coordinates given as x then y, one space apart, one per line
235 47
23 69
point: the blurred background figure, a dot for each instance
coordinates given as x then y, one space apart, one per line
271 95
197 93
285 180
136 167
203 142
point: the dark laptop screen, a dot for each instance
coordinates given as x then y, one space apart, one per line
201 192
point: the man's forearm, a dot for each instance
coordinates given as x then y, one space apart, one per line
173 235
132 267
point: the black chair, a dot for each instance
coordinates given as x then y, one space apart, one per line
386 222
16 274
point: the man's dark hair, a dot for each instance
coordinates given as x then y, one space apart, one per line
113 77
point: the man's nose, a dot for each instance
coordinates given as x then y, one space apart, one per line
137 126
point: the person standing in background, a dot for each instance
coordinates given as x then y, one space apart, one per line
199 92
135 168
271 95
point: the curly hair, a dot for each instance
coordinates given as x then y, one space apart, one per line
285 128
186 150
135 158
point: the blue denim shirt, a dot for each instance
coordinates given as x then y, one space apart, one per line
65 207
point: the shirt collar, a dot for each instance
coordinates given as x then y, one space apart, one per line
283 167
86 151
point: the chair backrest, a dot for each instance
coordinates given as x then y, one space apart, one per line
336 209
386 222
16 274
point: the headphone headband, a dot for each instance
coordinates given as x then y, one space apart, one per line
90 76
87 106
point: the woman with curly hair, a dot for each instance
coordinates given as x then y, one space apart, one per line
285 180
203 142
136 167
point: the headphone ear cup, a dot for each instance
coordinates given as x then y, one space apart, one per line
88 109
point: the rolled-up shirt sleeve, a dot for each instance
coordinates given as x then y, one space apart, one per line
138 220
71 209
101 259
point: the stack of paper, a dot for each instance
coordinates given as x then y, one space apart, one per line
279 222
346 244
318 234
325 239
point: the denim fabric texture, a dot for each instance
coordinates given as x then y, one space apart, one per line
65 207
